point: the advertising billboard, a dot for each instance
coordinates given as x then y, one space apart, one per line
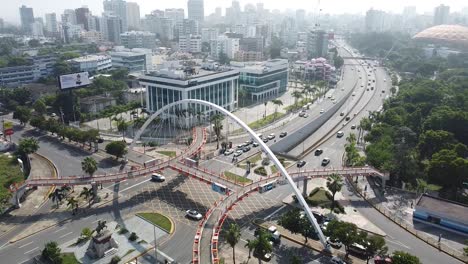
74 80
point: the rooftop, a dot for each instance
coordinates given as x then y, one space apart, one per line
138 33
442 207
90 58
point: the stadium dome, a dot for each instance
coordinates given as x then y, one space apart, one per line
445 34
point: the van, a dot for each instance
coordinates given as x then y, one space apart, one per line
357 249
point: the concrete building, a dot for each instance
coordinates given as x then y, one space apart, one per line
133 15
111 27
27 18
375 20
69 17
315 70
177 15
208 34
189 27
441 15
135 60
37 29
51 23
13 76
92 63
196 10
98 103
242 55
119 9
138 39
262 80
208 82
91 36
317 43
82 14
190 43
224 44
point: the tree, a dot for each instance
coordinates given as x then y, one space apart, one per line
217 121
277 103
89 165
34 43
40 107
432 141
223 58
23 114
73 203
334 185
401 257
297 95
117 149
88 194
251 244
338 62
232 237
262 243
38 122
375 246
295 259
448 169
343 231
87 232
61 68
242 94
56 196
51 253
122 126
28 146
265 103
291 220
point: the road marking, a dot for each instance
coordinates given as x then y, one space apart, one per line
276 211
25 245
58 230
398 243
24 261
87 217
140 183
30 251
64 235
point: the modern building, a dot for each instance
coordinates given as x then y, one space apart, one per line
208 82
242 55
13 76
92 63
119 9
138 39
69 17
375 20
82 14
224 44
455 36
177 15
441 15
314 70
135 60
51 23
91 36
37 29
111 27
442 213
262 80
208 34
133 15
189 27
196 10
317 43
27 18
190 43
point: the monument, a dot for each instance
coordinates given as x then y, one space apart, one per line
102 244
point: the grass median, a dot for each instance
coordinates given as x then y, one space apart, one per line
266 121
69 258
236 178
157 219
170 154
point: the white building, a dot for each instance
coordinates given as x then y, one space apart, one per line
196 10
92 63
135 60
208 34
133 15
119 9
37 29
91 36
138 39
190 43
51 23
223 44
111 27
69 17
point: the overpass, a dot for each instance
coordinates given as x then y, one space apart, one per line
360 58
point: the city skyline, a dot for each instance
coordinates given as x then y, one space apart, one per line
10 11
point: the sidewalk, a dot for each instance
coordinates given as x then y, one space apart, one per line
34 199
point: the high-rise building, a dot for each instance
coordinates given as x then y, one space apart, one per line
207 34
300 17
375 20
37 28
409 11
133 15
196 10
82 14
119 9
69 17
190 43
177 15
218 12
441 15
111 27
51 23
27 18
224 44
317 43
138 39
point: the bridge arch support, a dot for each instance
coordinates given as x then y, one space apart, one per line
263 146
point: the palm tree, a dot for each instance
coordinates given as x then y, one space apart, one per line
262 243
122 126
217 121
56 196
89 165
334 185
297 95
251 244
351 138
73 203
321 85
88 194
276 102
265 103
232 237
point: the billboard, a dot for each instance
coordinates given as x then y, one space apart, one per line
74 80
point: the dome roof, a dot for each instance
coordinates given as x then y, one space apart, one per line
446 34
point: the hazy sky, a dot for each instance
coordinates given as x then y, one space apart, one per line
9 8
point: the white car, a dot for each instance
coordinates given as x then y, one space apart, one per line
238 153
271 136
157 177
228 152
275 234
340 134
322 111
194 214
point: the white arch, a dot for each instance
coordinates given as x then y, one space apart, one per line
264 147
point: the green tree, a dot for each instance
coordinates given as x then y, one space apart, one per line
432 141
40 107
291 220
51 253
449 169
297 95
343 231
34 43
277 103
88 194
334 185
117 149
122 126
375 246
262 243
57 196
87 232
232 236
401 257
338 62
73 204
38 122
23 114
217 121
61 68
28 146
89 165
265 103
250 245
223 58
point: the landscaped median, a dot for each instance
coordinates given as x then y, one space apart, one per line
158 220
236 178
266 121
171 154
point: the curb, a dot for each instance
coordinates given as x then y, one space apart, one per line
170 220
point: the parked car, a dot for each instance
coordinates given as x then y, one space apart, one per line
325 161
306 115
265 140
318 152
334 242
238 153
283 134
340 134
255 144
301 163
342 114
228 152
322 111
271 136
193 214
157 177
246 149
302 114
347 118
353 126
275 234
262 255
100 140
